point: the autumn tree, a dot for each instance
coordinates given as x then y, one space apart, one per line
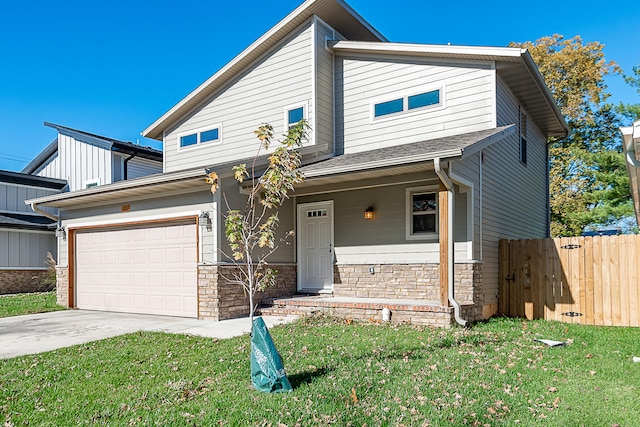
588 183
251 230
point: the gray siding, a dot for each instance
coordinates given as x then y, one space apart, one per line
324 87
12 196
50 168
469 170
514 195
281 79
25 249
383 239
467 92
138 167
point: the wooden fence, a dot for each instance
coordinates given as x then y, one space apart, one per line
588 280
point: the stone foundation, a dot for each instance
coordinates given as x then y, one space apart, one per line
411 281
219 299
24 281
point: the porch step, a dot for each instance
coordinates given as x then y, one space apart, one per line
423 312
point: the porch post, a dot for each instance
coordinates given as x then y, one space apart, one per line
443 225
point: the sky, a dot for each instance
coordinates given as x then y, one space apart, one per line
113 67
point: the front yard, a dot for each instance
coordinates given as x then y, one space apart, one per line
343 374
17 305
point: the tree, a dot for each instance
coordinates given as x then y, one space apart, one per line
588 185
250 230
631 112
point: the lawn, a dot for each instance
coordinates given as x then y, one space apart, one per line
17 305
344 374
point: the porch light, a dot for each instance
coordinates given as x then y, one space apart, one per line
368 213
204 217
60 233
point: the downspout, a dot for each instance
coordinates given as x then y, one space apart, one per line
125 173
450 273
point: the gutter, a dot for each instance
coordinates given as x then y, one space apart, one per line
450 273
36 209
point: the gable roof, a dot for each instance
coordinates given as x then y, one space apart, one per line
116 145
336 13
514 65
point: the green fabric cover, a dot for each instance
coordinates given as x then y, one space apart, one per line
267 369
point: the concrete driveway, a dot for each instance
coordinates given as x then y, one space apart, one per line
37 333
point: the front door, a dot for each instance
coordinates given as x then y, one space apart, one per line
315 247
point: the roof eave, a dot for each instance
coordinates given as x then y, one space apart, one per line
257 48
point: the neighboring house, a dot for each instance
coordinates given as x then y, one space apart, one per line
420 158
86 160
631 144
25 236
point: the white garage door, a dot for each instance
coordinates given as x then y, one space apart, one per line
150 270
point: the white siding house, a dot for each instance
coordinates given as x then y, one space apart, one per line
443 147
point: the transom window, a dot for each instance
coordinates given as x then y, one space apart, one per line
422 212
201 137
407 103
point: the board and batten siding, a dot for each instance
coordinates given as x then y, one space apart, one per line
383 239
25 249
282 78
50 168
467 91
12 196
79 162
514 204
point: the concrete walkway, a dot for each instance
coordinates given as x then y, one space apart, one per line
37 333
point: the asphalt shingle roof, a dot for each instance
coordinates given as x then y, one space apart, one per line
25 221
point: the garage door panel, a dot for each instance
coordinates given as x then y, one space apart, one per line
143 270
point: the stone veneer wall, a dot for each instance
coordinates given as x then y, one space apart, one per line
411 281
62 286
23 281
219 300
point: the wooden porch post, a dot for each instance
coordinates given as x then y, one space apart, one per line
443 225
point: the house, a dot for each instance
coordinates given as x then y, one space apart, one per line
420 158
87 160
631 144
25 236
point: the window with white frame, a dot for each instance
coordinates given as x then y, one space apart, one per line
91 183
422 212
523 137
432 98
207 136
294 114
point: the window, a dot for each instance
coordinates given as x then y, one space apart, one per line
91 183
408 103
200 137
389 107
294 115
424 99
422 212
523 138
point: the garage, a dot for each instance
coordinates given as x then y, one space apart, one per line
148 269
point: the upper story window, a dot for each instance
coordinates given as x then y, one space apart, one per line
91 183
422 212
294 114
523 137
207 136
407 103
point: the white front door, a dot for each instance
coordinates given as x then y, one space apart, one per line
315 247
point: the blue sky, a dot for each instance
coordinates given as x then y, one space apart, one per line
113 68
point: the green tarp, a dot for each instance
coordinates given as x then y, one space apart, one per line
267 370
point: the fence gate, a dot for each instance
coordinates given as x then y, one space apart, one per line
588 280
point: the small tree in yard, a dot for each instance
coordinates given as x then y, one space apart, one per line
250 231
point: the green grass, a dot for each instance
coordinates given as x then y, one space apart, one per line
343 375
17 305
